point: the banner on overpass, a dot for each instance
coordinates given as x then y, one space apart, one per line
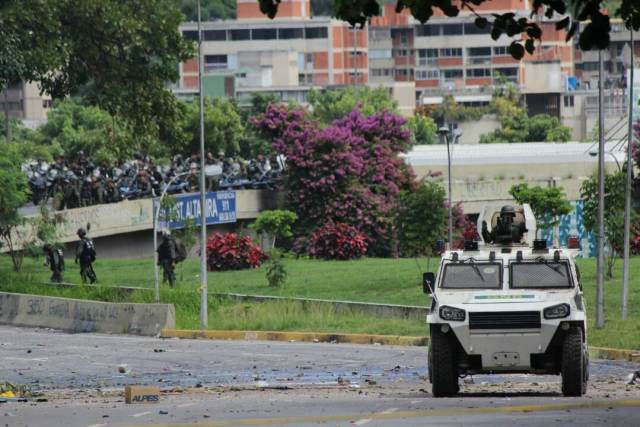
220 208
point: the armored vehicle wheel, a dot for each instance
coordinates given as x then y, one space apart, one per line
574 369
442 372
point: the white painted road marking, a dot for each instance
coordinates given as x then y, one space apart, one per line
389 411
97 425
141 414
362 422
185 405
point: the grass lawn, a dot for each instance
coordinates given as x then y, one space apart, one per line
371 280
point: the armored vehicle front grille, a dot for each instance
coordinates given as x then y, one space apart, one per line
505 320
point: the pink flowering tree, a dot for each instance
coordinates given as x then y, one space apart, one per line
350 172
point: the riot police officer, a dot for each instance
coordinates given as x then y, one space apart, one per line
167 255
86 254
54 259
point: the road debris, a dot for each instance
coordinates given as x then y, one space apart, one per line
633 377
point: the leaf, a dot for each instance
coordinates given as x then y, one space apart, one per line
516 50
572 31
529 46
564 23
496 33
481 22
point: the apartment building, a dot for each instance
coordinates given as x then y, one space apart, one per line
23 101
288 55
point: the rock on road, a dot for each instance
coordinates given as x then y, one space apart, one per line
225 383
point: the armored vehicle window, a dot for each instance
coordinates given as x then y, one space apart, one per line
543 274
480 275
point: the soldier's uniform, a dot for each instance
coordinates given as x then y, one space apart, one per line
167 259
86 254
54 259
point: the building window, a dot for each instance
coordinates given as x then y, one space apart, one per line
428 30
190 35
264 34
427 74
451 74
290 33
380 72
479 51
316 33
379 53
47 103
451 52
568 101
401 52
428 53
501 51
479 72
452 29
240 35
507 72
215 62
214 35
471 29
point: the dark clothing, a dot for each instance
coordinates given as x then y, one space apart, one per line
54 258
167 260
86 254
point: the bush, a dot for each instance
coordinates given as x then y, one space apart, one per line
232 252
337 241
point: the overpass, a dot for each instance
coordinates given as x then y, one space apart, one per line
125 229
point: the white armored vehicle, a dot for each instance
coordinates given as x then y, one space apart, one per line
507 305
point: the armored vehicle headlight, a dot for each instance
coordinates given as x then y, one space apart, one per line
452 313
557 311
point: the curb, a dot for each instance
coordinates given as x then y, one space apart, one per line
614 354
295 336
594 352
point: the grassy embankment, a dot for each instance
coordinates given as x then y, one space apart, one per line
370 280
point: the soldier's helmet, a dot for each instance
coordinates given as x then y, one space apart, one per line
508 210
166 232
81 232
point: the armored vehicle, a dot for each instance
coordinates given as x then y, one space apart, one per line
507 304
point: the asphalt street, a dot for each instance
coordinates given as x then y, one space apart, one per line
225 383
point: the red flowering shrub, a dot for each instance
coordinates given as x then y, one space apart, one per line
337 241
230 251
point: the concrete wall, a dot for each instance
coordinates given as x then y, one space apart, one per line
85 316
128 225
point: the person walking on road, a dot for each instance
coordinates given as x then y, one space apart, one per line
54 258
167 258
86 253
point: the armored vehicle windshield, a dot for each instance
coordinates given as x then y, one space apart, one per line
472 275
543 274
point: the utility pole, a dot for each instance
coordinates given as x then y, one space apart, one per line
204 316
627 191
600 260
444 138
355 56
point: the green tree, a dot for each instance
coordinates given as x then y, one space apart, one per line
423 129
119 53
223 127
210 9
73 127
276 223
613 212
14 193
594 32
450 111
421 219
547 203
330 105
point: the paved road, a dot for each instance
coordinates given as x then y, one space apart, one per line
221 383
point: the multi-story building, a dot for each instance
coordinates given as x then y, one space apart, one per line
23 101
287 55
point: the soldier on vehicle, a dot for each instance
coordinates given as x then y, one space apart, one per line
86 253
167 257
54 259
507 229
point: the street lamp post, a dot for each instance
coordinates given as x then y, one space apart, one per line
204 316
600 259
156 217
627 192
444 139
